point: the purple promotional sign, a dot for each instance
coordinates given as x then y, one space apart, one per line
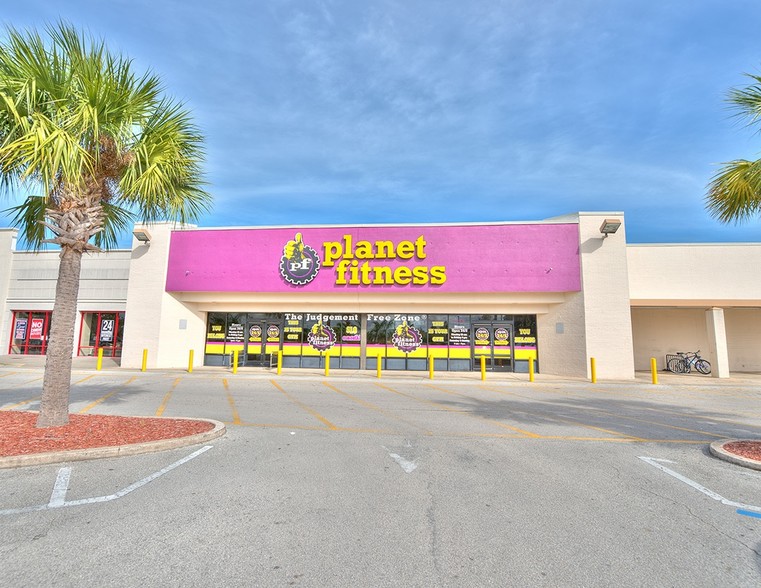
468 258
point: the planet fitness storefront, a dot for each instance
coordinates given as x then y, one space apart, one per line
395 294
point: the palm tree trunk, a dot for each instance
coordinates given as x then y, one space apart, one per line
54 407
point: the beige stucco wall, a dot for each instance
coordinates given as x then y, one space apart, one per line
156 320
658 331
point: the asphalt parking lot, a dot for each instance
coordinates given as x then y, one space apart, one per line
402 481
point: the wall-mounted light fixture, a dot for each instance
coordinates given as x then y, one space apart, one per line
142 235
609 226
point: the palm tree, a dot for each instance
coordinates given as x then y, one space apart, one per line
734 194
104 147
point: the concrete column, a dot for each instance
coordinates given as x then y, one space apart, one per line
717 342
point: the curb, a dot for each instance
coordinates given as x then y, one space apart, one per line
717 450
16 461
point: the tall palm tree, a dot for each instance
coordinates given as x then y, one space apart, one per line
734 194
103 147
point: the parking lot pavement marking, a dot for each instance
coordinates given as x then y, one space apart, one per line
8 374
21 384
162 407
748 513
20 404
461 411
57 500
656 463
372 406
83 379
303 406
231 402
406 465
60 488
106 397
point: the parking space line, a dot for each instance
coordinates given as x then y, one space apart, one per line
655 462
231 402
376 408
83 379
106 397
22 403
10 374
57 500
21 384
162 407
303 406
461 411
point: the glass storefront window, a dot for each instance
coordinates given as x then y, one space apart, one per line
101 330
30 332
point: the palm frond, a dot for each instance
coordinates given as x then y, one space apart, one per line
734 194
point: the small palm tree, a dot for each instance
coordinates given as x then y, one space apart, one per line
734 194
103 147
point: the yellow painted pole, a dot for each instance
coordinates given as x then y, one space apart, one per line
190 362
483 367
530 369
235 361
430 367
378 366
654 369
145 360
279 363
593 367
327 363
100 359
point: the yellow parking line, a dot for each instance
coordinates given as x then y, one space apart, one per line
303 406
279 426
83 379
9 374
106 397
450 409
21 384
376 408
12 406
231 402
162 407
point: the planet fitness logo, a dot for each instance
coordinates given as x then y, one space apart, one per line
406 338
321 337
300 263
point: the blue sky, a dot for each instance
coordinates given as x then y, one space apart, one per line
445 111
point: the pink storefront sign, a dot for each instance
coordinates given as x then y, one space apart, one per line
450 258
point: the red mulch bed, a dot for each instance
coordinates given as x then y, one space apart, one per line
19 436
747 449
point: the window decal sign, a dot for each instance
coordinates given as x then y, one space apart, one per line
35 329
19 332
107 331
321 337
406 338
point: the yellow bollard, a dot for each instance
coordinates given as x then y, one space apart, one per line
100 359
483 367
145 360
235 361
430 367
279 363
378 366
530 369
593 368
327 363
190 362
654 369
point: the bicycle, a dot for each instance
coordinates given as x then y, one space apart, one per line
685 361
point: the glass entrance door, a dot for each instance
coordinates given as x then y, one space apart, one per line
493 342
263 338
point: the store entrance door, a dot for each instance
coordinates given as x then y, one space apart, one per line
262 340
493 342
